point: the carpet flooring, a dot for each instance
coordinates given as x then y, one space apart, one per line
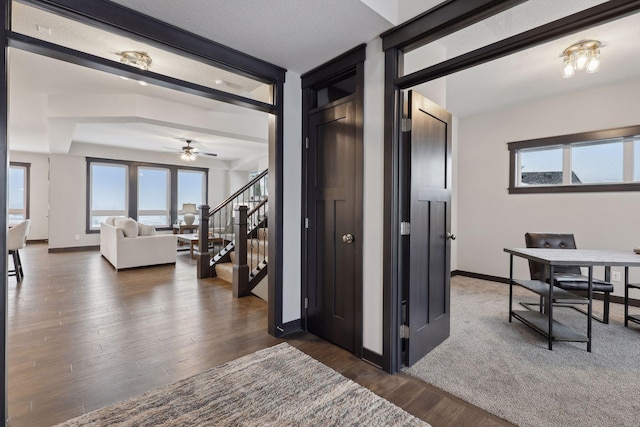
506 368
277 386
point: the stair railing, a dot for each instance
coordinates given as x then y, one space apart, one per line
251 249
216 225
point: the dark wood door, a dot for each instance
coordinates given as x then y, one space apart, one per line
426 206
331 235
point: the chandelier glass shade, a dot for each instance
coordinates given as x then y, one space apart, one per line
188 156
581 56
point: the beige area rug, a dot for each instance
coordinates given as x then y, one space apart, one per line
278 386
506 368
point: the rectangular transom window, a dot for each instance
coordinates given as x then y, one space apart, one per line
607 160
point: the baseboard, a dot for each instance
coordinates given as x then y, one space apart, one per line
74 249
613 298
372 357
288 328
479 276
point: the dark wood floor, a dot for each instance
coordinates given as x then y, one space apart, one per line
82 336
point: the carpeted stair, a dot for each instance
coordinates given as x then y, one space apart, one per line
225 270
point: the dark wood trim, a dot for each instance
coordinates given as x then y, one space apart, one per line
5 16
349 62
276 209
62 53
132 187
372 357
623 132
27 178
577 188
603 13
441 20
37 240
290 328
74 249
336 67
391 346
122 20
479 276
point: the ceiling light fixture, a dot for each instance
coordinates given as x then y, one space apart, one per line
140 60
583 55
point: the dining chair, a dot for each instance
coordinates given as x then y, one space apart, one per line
16 240
569 278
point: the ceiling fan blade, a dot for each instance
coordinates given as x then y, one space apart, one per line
172 149
208 154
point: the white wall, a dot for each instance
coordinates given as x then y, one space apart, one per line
38 192
373 197
489 219
292 205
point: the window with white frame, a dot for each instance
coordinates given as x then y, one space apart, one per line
109 188
154 196
594 161
18 188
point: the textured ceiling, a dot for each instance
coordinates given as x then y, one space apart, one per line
295 34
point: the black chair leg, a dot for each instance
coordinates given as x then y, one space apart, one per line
16 266
605 315
20 263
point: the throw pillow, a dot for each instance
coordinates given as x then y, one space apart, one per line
110 220
128 225
146 230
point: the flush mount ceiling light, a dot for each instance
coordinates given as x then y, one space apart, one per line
140 60
583 55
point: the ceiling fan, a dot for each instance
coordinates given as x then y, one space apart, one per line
190 153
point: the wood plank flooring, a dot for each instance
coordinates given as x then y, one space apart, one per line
82 336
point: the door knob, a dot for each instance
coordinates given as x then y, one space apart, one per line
451 236
347 238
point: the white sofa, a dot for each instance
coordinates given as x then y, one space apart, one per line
127 252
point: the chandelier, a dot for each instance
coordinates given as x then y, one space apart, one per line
583 55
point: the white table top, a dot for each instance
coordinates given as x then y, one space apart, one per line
577 257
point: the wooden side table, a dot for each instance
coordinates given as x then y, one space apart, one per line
184 228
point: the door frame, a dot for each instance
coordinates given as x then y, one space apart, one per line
349 62
119 19
444 19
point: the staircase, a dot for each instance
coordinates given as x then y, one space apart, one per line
238 229
257 250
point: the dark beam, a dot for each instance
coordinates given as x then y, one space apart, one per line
114 16
597 15
442 20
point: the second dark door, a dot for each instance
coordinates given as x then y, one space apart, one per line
331 211
426 209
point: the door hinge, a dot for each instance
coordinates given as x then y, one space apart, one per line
306 223
405 125
306 303
306 142
404 332
405 228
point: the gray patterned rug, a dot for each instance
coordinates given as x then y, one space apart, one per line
506 368
277 386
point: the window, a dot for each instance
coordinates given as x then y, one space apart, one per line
109 192
191 189
606 160
151 193
18 191
154 196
